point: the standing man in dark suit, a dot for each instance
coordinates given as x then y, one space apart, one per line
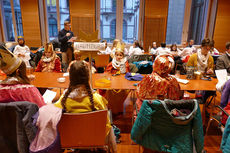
66 37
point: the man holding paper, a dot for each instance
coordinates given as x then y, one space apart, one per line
66 37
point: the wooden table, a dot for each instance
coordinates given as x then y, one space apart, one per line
199 84
49 80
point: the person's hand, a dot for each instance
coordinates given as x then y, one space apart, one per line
210 71
21 55
67 34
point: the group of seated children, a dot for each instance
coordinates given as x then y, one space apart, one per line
49 61
80 97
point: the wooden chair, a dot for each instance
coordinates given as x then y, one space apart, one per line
102 60
83 130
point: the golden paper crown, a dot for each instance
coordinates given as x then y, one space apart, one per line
120 47
8 61
20 37
48 47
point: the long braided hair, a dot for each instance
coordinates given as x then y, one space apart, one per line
78 75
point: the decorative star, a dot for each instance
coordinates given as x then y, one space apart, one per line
83 37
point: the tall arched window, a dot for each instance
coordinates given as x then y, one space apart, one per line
124 35
53 32
198 20
56 16
126 25
113 29
12 23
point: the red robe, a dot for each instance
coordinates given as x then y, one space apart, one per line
112 70
20 92
53 66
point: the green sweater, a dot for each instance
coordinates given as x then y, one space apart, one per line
154 129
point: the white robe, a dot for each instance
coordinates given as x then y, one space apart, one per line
24 51
135 51
163 51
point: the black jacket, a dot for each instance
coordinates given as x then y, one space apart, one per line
63 39
16 127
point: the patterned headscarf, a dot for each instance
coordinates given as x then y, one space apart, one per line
159 85
163 65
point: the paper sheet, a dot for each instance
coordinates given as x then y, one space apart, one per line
48 96
184 81
222 75
65 74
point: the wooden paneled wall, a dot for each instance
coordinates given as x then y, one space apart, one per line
222 30
155 22
82 14
30 22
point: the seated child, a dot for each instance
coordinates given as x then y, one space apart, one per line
159 84
79 97
119 63
22 51
135 49
16 86
49 61
77 57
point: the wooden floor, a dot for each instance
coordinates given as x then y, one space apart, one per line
123 121
212 143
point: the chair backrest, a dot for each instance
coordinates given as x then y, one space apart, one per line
102 60
83 130
143 57
13 130
158 126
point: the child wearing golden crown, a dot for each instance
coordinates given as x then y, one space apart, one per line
22 51
49 62
16 87
119 63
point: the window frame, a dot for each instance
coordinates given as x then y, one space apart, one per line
2 26
119 20
209 26
44 21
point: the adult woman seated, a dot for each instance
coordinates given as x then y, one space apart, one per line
159 84
49 62
16 86
202 60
